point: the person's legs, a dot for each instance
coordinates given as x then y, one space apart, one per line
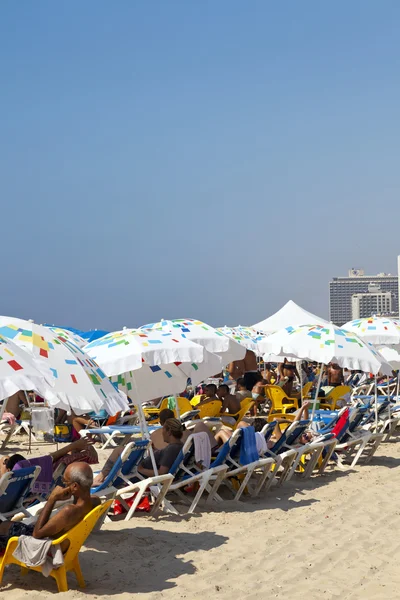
100 477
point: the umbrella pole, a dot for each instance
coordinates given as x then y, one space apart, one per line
398 383
145 429
300 370
376 402
317 391
389 398
178 415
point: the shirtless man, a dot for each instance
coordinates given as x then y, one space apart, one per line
210 394
230 402
335 375
77 481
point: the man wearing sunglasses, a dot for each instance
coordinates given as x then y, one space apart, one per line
77 481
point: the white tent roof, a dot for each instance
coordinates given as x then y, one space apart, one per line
290 314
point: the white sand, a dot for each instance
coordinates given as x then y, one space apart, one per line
333 536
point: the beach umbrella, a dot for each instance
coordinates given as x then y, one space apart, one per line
156 363
392 355
79 384
245 336
68 335
380 331
18 371
198 332
325 344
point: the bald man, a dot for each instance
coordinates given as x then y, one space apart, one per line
76 484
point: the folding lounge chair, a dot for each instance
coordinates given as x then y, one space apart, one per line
76 537
232 455
186 472
118 482
15 487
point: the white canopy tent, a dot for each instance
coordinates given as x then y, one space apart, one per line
290 314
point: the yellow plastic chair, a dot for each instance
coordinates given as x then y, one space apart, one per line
245 406
211 409
307 389
183 404
330 401
196 399
76 537
279 401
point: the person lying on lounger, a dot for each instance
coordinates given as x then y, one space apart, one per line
161 440
77 481
225 433
79 451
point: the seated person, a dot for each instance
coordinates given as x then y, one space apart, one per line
161 439
79 451
77 481
210 394
224 434
230 402
242 391
172 433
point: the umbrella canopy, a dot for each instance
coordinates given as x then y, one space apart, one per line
392 355
200 333
325 344
18 371
68 335
245 336
290 314
79 383
377 330
157 363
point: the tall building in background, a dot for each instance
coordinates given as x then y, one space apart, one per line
359 295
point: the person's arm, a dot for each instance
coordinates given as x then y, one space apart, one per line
231 369
77 446
48 526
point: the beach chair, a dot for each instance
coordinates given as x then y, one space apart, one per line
15 487
210 410
245 405
337 393
123 469
280 403
186 472
249 471
76 538
352 440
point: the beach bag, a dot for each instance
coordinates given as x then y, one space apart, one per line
63 433
143 506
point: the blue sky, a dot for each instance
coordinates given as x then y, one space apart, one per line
194 159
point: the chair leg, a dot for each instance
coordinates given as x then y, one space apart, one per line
78 572
60 575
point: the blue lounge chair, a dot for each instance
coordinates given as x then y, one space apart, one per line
15 487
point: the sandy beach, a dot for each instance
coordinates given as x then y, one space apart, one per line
333 536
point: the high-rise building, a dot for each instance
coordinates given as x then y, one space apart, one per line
374 302
342 290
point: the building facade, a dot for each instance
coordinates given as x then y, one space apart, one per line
371 292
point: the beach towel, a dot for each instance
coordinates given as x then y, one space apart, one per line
202 449
342 424
36 553
248 446
42 485
261 443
